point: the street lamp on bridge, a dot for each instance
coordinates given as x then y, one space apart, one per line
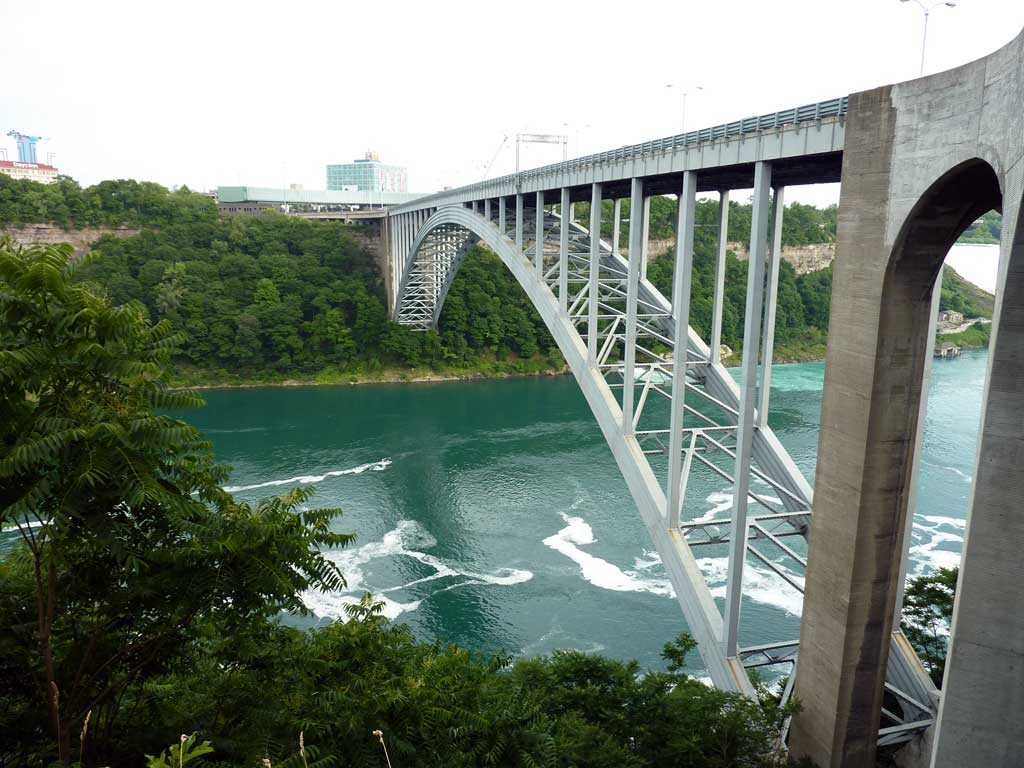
927 10
683 88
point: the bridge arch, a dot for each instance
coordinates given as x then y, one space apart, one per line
460 227
463 228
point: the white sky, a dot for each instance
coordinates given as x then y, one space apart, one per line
260 93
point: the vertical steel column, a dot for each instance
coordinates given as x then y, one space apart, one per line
563 253
538 237
719 300
519 223
487 210
748 397
616 225
595 270
646 236
501 214
915 468
632 289
681 282
771 302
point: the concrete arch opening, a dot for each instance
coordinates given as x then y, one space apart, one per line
983 686
902 207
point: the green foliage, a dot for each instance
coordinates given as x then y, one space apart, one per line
960 295
111 203
802 224
445 706
187 750
141 599
976 336
927 615
125 539
801 328
988 232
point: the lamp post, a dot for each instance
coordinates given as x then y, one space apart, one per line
682 122
927 11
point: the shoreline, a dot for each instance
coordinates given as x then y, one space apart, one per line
428 378
434 378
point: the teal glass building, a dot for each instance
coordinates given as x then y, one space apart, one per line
368 174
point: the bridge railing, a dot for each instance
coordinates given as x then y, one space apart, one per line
774 120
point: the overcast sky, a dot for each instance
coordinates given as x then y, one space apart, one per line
221 93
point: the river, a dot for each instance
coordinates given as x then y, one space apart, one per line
491 514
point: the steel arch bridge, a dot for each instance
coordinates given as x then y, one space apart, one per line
666 416
919 161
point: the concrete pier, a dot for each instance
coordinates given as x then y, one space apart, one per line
922 160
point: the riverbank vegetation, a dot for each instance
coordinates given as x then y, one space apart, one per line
928 616
976 336
271 299
987 231
139 600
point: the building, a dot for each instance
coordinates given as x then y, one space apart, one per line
44 174
236 200
947 350
246 207
367 175
949 316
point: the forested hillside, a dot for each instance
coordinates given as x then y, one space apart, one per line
273 298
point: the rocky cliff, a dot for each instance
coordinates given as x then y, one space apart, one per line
80 239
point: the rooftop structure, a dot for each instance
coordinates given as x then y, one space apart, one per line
44 174
368 174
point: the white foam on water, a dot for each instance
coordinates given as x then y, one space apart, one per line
963 475
954 522
721 501
759 584
376 466
927 556
15 526
406 540
646 561
599 572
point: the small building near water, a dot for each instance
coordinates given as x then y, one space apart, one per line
949 316
947 350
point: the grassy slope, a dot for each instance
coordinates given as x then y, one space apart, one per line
984 301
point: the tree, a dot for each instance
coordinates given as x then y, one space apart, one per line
927 616
126 538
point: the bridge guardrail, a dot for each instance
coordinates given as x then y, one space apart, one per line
773 120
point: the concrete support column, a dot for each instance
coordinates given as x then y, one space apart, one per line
646 235
519 223
980 721
595 269
771 303
748 398
501 215
918 443
475 207
719 297
681 281
563 253
888 253
617 224
538 252
487 209
636 247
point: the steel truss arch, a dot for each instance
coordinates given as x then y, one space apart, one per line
779 495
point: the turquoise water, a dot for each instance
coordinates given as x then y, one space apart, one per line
491 514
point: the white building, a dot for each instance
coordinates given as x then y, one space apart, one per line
44 174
